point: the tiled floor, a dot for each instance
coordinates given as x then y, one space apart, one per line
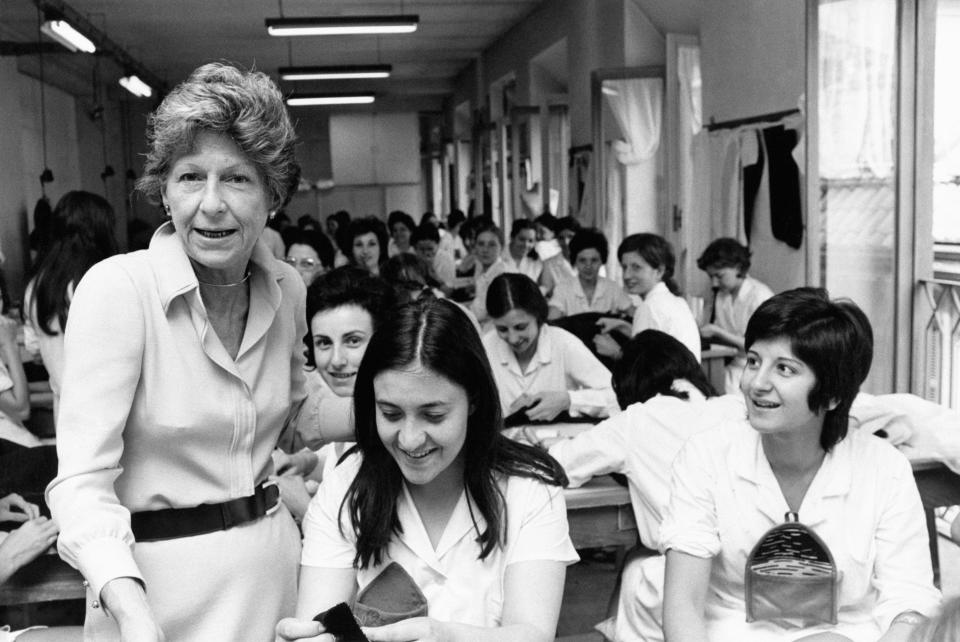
589 585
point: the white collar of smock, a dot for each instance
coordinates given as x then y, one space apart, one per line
832 480
658 290
748 285
175 275
543 356
415 536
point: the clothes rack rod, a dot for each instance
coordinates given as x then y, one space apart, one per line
750 120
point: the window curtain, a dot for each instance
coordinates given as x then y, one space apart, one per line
857 86
632 194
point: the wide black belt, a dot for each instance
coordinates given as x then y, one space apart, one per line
170 523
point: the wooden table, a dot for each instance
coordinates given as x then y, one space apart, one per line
45 579
600 514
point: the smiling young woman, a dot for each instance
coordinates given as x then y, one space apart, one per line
541 368
806 359
474 521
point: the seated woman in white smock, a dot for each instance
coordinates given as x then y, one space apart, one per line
589 292
541 368
806 358
737 296
475 521
648 263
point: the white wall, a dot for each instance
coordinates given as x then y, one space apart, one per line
376 165
22 161
753 62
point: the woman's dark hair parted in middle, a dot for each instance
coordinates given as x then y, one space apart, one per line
347 285
516 292
651 362
833 338
438 336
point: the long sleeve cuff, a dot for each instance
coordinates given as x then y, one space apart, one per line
105 559
592 403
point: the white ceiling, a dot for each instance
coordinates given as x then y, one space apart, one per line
172 37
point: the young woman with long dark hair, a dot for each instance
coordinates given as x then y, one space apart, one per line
476 520
81 234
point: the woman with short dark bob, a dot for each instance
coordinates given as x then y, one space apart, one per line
589 292
184 364
401 227
541 368
367 240
648 262
471 524
793 456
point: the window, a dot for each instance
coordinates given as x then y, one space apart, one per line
857 162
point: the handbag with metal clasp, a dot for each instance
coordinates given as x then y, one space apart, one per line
790 575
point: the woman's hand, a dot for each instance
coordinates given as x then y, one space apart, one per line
544 406
606 325
126 601
418 629
14 508
296 493
709 330
25 544
606 346
290 628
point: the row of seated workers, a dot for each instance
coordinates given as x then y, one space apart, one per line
256 443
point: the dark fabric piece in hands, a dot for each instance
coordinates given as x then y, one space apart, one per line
340 623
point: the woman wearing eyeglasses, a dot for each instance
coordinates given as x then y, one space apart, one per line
310 253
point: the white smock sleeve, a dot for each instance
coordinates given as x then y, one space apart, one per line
103 355
328 537
690 522
589 383
541 532
903 574
600 450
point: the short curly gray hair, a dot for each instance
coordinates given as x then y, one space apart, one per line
245 105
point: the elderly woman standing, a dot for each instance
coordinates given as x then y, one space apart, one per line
183 365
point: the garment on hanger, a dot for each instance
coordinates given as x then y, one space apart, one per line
786 214
751 162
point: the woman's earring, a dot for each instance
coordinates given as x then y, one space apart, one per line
166 208
272 215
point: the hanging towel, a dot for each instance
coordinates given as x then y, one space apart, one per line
786 215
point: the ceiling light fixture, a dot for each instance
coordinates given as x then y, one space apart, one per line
312 100
341 25
335 72
64 33
135 86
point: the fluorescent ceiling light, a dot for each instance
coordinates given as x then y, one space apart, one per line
337 72
309 100
341 25
135 86
64 33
